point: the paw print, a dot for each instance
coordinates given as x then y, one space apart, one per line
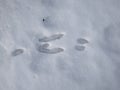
52 37
17 52
81 42
44 46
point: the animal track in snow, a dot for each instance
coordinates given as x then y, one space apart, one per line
44 49
17 52
81 42
52 37
80 48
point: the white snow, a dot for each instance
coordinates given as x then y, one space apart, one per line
96 67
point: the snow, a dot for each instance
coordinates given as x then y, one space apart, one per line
90 64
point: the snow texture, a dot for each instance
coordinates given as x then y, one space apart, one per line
59 44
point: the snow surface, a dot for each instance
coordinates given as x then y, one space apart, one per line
63 63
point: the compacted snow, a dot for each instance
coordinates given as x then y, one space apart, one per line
59 44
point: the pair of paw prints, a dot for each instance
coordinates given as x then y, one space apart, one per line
44 46
80 44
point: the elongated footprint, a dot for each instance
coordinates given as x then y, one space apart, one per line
51 38
42 49
17 52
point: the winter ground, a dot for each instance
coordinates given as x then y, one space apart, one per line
59 44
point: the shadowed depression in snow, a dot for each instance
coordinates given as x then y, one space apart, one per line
59 44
